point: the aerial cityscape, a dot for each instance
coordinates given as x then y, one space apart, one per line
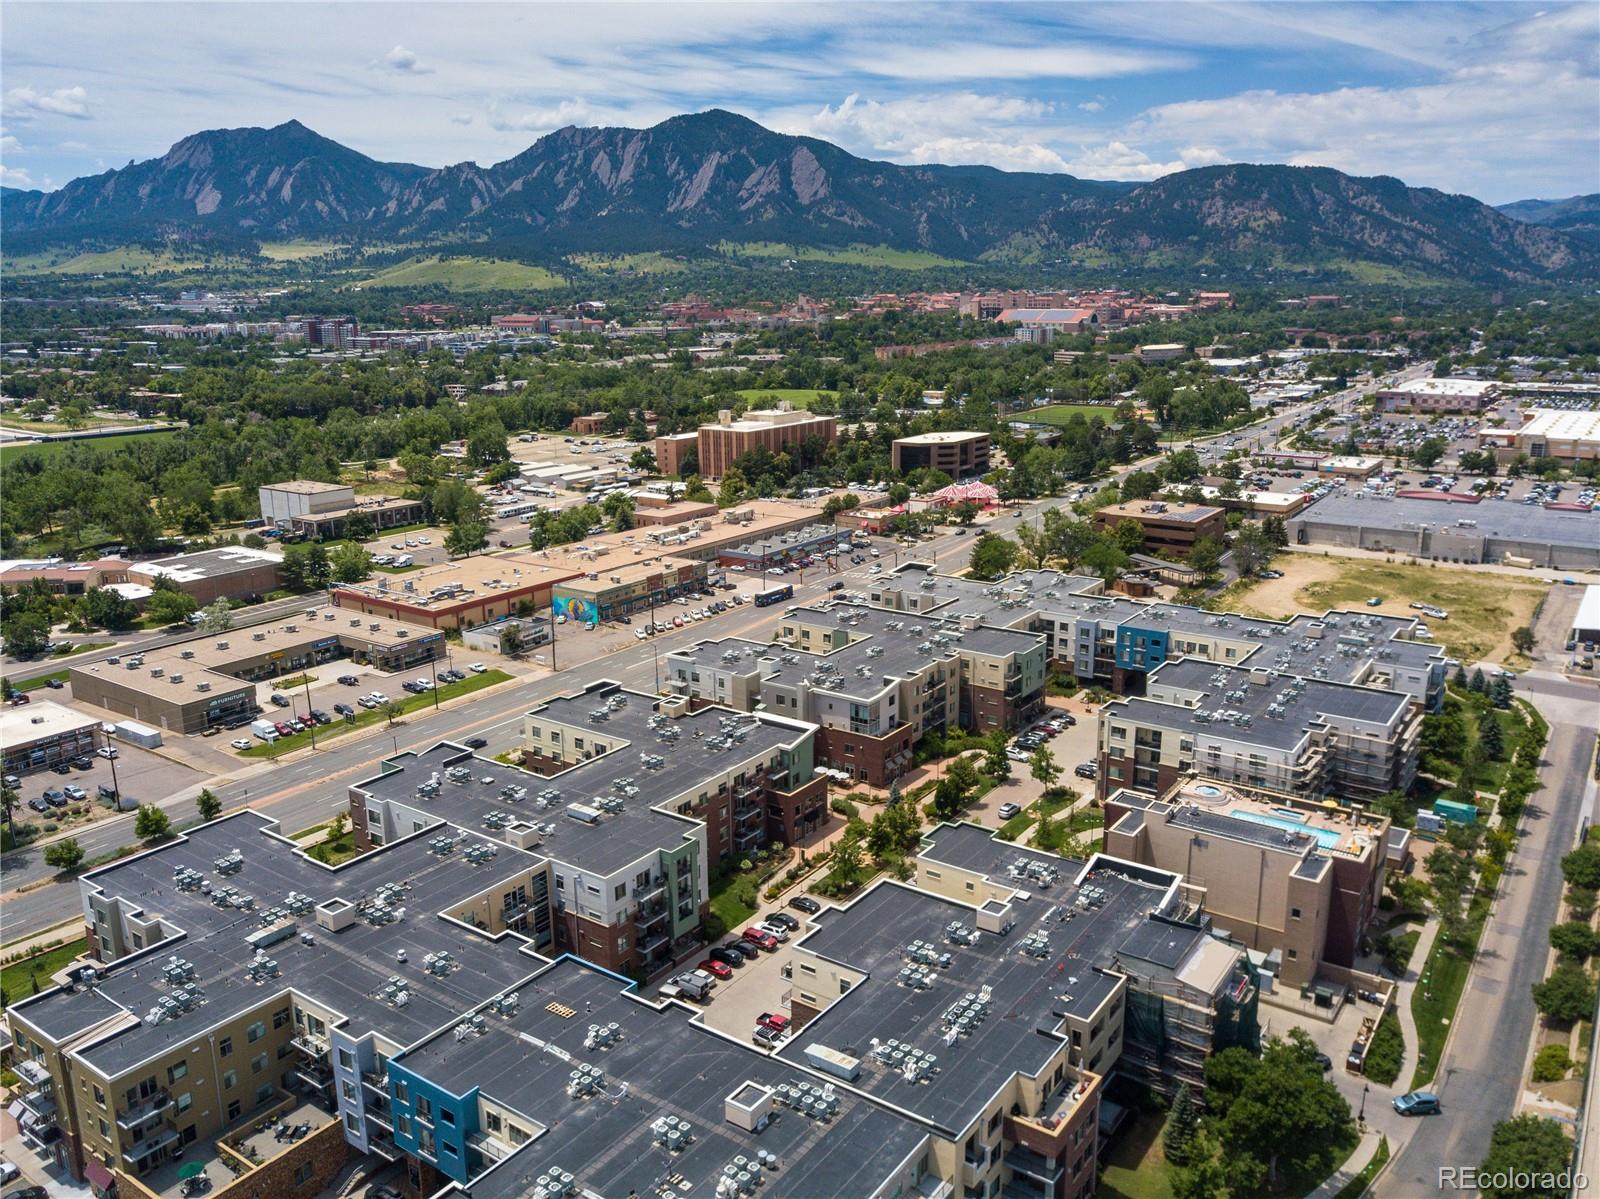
697 600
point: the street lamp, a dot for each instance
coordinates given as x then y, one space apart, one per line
311 721
1361 1117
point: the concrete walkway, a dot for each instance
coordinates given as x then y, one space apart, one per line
1353 1165
1408 985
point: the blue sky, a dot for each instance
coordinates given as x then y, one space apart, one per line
1496 100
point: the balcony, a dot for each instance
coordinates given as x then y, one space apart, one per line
491 1146
1037 1167
308 1044
383 1145
376 1080
655 890
318 1079
513 912
40 1104
649 946
651 916
752 814
154 1143
143 1111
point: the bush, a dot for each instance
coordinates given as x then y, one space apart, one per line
1551 1064
845 808
1387 1051
64 855
1567 995
1573 939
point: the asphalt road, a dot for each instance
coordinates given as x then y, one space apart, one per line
312 788
1483 1065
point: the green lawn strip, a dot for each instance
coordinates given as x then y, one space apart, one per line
1358 1185
42 680
1438 991
299 680
733 898
87 647
1136 1167
16 978
363 719
333 852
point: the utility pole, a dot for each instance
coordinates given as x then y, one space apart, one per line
311 722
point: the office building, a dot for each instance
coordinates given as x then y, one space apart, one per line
1167 526
330 332
777 430
674 451
1438 395
958 453
39 734
1295 881
874 683
462 593
212 680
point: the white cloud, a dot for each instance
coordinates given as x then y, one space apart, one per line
24 103
405 61
974 60
73 147
1094 105
1118 160
461 118
9 144
16 177
544 118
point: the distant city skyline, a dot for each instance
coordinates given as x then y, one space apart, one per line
1494 100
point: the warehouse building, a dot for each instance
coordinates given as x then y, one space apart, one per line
1453 530
320 511
211 681
1566 435
234 572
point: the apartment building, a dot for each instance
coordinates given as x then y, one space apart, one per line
721 444
1293 880
957 453
235 980
873 683
1259 727
631 800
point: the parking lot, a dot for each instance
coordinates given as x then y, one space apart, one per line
142 777
756 987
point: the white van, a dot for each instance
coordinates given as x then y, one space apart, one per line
404 560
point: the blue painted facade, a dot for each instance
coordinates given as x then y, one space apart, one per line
429 1122
1140 649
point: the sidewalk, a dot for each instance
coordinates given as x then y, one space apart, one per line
1408 984
1353 1165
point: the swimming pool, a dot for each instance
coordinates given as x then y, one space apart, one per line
1327 838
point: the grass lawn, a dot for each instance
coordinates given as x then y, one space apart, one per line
646 262
796 397
38 681
120 260
16 978
364 718
336 851
853 255
733 897
68 651
299 680
1136 1168
1484 608
465 274
1060 414
298 249
1434 1001
9 454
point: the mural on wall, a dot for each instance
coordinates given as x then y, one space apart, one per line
574 608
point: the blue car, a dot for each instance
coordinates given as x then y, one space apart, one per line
1417 1103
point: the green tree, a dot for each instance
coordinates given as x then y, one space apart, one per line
1500 692
1574 939
110 611
510 641
349 563
1106 559
207 804
1525 1151
1581 867
65 855
1252 550
992 557
1478 684
965 513
846 859
1429 451
1523 640
466 537
995 762
1206 1176
151 822
1205 555
1177 1138
1279 1109
1490 739
170 607
216 617
644 459
26 634
359 526
1567 995
391 710
1042 766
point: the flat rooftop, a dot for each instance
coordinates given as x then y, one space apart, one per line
1502 519
467 580
1159 510
1030 995
617 839
1019 593
40 719
1217 809
1223 701
663 1063
1442 387
346 970
306 487
1562 425
945 437
210 564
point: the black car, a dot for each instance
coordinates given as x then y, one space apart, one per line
1086 770
56 799
801 903
54 684
344 709
835 586
475 743
319 716
348 680
783 918
61 768
745 947
728 957
83 762
38 805
279 701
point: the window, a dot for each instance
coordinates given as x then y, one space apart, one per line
225 1047
1294 913
258 1063
230 1079
105 1129
620 891
353 1122
491 1121
255 1032
1294 955
304 1171
446 1116
233 1110
347 1060
402 1126
348 1089
184 1100
280 1017
264 1094
177 1071
99 1096
424 1108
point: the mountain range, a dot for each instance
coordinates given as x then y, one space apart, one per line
704 178
1578 215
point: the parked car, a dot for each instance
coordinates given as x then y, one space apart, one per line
60 768
715 968
1086 770
54 684
349 680
9 1172
477 668
1417 1103
760 938
55 798
802 903
1008 810
13 781
73 791
727 956
745 949
773 1021
241 743
766 1038
106 751
774 930
38 805
279 701
784 919
344 710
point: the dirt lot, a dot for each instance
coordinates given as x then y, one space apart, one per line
1484 608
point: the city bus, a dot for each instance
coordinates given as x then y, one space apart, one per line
775 596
